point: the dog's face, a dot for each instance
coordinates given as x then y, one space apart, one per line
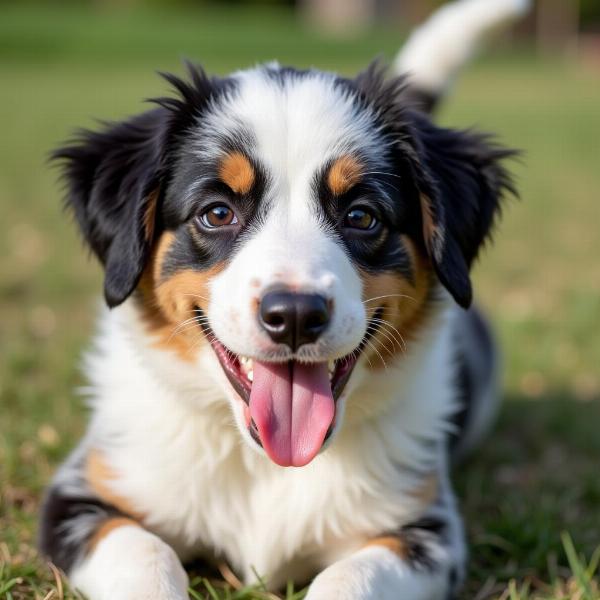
299 222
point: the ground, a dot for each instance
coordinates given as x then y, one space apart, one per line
531 495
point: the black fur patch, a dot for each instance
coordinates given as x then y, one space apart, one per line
196 248
423 100
453 584
458 172
464 392
67 524
474 360
111 176
418 537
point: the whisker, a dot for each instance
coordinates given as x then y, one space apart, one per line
189 324
184 326
388 324
378 353
373 330
188 327
390 338
356 354
389 296
386 345
382 173
194 318
388 310
197 296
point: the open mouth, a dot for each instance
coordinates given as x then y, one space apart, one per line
290 406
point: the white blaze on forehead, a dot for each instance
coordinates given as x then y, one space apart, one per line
300 122
297 122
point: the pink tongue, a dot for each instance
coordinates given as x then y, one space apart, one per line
292 407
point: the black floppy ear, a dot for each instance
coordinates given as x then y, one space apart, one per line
461 182
458 175
113 181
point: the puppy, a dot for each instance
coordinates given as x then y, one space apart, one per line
286 366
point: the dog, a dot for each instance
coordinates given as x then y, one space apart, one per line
286 368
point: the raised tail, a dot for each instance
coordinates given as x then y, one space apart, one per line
437 50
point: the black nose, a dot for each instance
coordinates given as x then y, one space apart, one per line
293 319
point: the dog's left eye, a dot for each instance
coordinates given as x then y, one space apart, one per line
217 216
360 218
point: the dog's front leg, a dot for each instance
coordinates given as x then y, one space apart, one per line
130 563
107 554
421 561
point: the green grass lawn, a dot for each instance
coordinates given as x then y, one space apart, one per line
536 479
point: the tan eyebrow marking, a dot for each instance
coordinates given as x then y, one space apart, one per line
237 172
344 173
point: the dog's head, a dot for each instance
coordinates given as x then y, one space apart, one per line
300 221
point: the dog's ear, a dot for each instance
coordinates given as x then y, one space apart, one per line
458 175
115 179
460 182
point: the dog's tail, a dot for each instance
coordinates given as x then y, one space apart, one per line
437 50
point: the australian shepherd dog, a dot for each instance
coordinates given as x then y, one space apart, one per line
287 364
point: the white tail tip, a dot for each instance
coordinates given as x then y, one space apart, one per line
437 50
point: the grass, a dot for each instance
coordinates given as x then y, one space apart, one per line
531 495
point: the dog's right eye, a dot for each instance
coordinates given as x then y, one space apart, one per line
360 218
218 215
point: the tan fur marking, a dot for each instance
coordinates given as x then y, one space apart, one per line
107 527
237 172
179 294
405 308
391 542
430 229
166 303
166 240
150 215
345 173
98 476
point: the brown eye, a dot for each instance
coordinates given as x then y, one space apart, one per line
360 218
218 216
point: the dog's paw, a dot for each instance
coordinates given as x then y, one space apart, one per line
163 578
376 573
132 564
363 576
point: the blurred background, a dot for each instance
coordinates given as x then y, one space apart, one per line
65 64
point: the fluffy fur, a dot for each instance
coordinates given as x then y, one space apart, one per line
436 51
337 191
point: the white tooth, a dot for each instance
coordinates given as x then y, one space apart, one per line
244 359
250 375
